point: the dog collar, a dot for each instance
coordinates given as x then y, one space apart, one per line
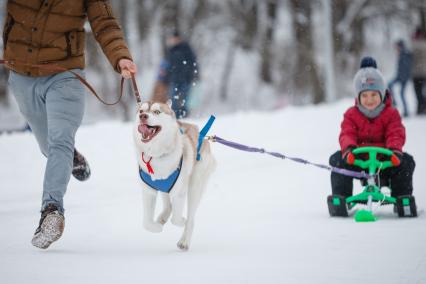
163 185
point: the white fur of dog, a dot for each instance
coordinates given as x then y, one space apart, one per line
158 135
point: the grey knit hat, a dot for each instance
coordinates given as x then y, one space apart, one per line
369 77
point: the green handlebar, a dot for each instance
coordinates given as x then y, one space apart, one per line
372 164
369 149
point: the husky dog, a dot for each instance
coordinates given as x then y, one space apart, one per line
167 157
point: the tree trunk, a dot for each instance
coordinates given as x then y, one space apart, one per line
357 42
227 71
246 25
199 13
170 19
339 8
143 19
348 32
422 11
267 41
306 78
123 10
329 52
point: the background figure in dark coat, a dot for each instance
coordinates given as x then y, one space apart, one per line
419 68
178 71
403 73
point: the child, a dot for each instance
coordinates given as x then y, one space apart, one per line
372 122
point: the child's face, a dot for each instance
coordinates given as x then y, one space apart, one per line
370 99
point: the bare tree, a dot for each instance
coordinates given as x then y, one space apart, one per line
170 18
249 26
227 70
267 41
192 12
348 24
145 11
244 14
420 8
123 12
306 75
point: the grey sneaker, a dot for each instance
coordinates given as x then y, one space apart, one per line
81 169
50 229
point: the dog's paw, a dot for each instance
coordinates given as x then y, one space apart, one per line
153 227
163 217
180 222
183 245
161 220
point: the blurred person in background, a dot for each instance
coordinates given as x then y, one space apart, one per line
419 68
177 72
403 73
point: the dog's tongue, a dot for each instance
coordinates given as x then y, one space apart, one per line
145 130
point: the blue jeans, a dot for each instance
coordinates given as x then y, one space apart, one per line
54 107
404 103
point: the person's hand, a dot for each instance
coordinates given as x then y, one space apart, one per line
396 158
348 156
127 68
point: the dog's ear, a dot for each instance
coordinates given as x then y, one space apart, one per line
169 103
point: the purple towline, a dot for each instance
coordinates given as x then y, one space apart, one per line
241 147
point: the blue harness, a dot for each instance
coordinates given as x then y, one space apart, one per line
165 185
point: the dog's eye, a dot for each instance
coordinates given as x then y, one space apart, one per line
157 112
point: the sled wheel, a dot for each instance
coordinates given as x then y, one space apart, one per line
406 206
337 206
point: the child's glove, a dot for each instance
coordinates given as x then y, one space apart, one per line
348 156
396 158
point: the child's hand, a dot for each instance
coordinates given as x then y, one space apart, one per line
396 158
348 156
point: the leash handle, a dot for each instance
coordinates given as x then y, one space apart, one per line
135 91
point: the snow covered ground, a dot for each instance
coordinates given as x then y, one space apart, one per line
263 220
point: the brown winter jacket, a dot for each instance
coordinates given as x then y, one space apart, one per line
52 32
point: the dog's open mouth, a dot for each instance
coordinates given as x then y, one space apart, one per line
148 132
